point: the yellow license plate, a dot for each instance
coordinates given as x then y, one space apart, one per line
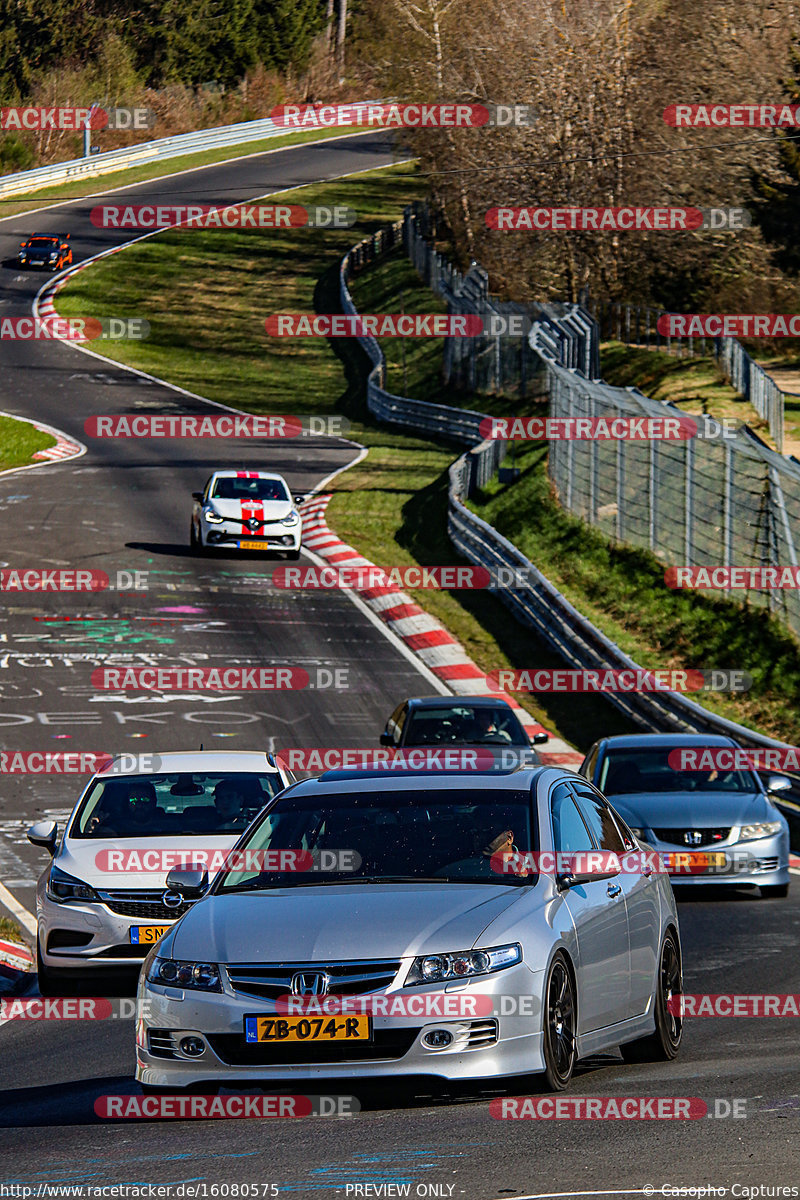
307 1029
147 935
252 545
688 862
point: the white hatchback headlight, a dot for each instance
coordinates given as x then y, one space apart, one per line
441 968
292 519
749 833
212 517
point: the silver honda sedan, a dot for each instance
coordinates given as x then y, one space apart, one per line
710 826
461 947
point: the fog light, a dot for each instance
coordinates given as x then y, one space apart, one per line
437 1039
287 541
193 1046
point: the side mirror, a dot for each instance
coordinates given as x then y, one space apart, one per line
23 243
188 883
574 878
197 496
44 833
538 738
778 783
298 499
386 738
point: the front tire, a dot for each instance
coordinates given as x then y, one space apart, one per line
663 1044
560 1023
774 891
293 555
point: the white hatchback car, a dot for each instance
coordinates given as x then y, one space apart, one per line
246 510
101 902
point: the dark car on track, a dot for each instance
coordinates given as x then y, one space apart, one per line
49 251
460 721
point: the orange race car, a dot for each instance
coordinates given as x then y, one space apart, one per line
51 251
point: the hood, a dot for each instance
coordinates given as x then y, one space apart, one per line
262 510
339 922
690 810
78 858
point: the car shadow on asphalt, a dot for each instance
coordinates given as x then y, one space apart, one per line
184 550
76 1102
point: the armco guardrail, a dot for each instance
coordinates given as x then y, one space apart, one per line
535 602
131 156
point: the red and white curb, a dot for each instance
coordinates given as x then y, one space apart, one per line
65 447
794 864
16 955
437 649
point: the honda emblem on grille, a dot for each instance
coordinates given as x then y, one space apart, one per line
172 900
310 983
693 838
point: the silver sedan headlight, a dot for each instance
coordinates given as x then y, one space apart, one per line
441 968
173 972
749 833
212 517
292 519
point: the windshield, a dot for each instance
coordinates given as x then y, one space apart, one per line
464 725
136 806
43 243
435 836
229 488
631 772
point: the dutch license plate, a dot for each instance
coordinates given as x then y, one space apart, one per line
252 545
147 935
686 862
307 1029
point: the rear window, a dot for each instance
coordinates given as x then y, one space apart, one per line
181 804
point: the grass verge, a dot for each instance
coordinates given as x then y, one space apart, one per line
695 385
11 931
19 441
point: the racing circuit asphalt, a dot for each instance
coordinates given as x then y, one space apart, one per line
125 506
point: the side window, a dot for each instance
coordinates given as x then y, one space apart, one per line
207 488
599 819
569 829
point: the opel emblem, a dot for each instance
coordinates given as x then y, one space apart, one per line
172 900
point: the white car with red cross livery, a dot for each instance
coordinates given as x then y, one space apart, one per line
246 510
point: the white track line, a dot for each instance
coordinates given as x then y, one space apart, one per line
16 909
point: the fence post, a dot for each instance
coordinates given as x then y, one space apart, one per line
688 501
653 496
727 507
620 489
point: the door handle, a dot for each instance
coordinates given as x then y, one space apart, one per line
614 889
